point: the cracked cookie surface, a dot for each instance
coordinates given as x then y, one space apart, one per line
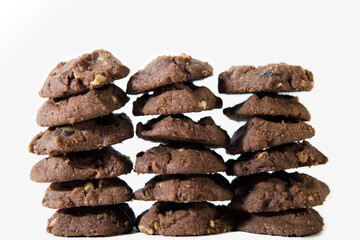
95 103
278 191
258 134
103 163
179 128
89 71
166 70
290 223
90 192
186 188
268 106
179 159
185 219
92 221
270 78
176 98
91 134
287 156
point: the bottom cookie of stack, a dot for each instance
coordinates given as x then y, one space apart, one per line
297 222
185 219
92 221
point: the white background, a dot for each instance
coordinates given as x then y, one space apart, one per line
322 36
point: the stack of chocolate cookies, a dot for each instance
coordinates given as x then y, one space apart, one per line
82 166
186 168
273 139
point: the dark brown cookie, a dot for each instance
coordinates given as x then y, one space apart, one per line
183 159
166 70
78 75
279 191
185 219
258 134
92 221
270 78
93 104
179 128
291 223
287 156
104 163
91 134
176 98
186 188
94 192
268 106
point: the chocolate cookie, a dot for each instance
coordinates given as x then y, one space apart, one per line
92 221
290 223
179 128
166 70
270 78
258 134
93 104
176 98
268 106
186 188
104 163
86 72
278 191
94 192
185 219
287 156
91 134
175 159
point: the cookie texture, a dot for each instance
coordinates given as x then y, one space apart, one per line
94 192
287 156
176 98
92 221
179 128
95 164
290 223
89 71
270 78
259 133
166 70
185 219
92 104
179 159
278 191
91 134
268 106
186 188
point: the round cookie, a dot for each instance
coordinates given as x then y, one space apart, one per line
89 71
185 219
270 106
179 159
91 134
166 70
259 133
92 221
186 188
103 163
179 128
290 223
175 99
92 104
270 78
287 156
278 191
107 191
